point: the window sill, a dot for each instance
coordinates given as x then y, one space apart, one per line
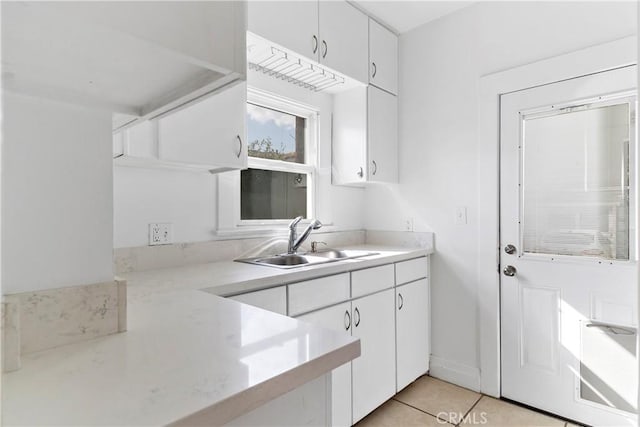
271 230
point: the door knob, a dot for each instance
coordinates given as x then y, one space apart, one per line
510 271
510 249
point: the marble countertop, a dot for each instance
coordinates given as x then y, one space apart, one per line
228 278
185 351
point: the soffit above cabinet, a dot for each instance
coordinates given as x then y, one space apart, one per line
138 59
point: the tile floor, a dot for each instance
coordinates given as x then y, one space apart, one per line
432 402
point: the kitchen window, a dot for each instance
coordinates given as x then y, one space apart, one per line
276 185
279 183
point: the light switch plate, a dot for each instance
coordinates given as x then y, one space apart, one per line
160 233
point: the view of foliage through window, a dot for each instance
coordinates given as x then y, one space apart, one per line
275 135
265 149
267 194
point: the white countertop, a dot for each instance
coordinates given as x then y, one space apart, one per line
229 278
185 352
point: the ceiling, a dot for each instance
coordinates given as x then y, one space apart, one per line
403 16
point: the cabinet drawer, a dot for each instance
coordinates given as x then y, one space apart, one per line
371 280
408 271
273 299
318 293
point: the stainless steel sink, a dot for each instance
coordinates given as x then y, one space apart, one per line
307 259
340 254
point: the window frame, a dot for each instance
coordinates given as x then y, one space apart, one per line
229 220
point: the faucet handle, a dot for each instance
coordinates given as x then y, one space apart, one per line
295 222
314 246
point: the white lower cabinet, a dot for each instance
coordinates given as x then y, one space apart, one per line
386 307
337 318
374 372
273 299
412 331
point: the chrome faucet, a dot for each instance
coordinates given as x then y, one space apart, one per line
294 240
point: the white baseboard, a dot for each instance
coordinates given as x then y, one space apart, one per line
456 373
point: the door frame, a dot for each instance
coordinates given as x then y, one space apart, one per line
591 60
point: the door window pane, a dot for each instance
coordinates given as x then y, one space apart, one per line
575 182
268 194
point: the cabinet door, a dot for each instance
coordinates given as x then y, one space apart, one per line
210 132
291 24
337 318
382 125
344 39
383 57
374 372
412 331
349 141
273 299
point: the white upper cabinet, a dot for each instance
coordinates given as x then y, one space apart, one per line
365 137
209 133
383 58
290 24
382 131
332 33
206 135
344 40
136 59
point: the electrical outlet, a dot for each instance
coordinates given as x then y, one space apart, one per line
160 233
461 215
408 224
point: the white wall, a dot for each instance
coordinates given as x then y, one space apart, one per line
440 66
57 214
190 200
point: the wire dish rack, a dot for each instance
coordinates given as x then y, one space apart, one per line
283 65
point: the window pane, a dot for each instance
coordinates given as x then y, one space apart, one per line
575 187
267 194
275 135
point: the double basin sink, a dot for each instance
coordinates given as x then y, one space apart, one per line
307 259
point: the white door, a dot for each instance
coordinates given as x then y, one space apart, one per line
291 24
209 132
568 251
383 57
338 318
382 132
373 373
344 39
412 332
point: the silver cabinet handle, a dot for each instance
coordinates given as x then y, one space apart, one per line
400 302
324 44
240 147
375 70
357 319
314 41
510 271
375 167
347 320
360 173
612 329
